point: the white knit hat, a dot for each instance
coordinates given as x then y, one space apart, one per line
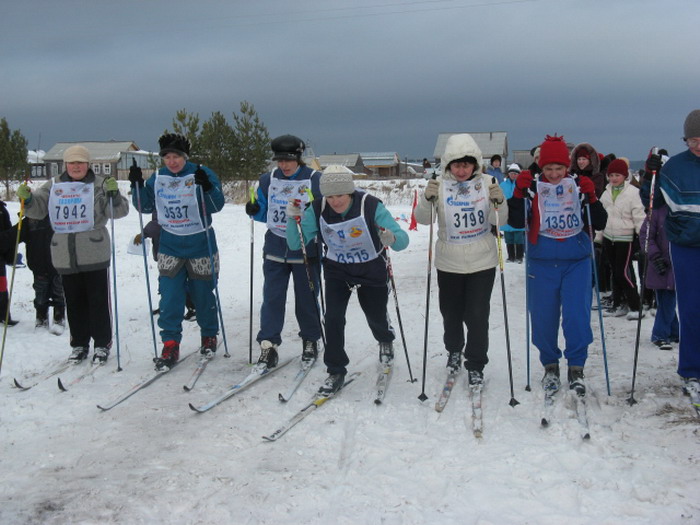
514 167
336 180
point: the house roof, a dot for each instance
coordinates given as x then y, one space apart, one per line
381 159
490 143
99 151
346 159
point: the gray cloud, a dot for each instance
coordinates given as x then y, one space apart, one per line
370 76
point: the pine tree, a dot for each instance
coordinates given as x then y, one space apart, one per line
13 155
252 143
187 124
217 144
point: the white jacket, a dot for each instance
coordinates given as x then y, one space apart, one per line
461 258
625 215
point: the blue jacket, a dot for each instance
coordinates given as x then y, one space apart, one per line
679 181
275 247
184 246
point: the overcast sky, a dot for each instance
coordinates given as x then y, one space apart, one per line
356 75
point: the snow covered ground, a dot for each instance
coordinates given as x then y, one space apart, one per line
153 460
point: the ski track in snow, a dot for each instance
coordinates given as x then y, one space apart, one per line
152 460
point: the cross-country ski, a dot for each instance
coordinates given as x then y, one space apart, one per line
317 401
259 372
143 384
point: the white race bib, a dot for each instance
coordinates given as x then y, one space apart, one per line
349 242
560 209
466 210
176 204
72 207
280 192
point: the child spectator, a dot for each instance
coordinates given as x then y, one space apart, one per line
625 217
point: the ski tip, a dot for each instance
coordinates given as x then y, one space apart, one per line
528 389
186 388
61 387
545 423
423 397
102 408
18 385
586 436
514 402
195 408
269 438
631 401
377 401
281 398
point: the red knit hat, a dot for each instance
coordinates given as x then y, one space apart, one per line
619 166
583 152
553 151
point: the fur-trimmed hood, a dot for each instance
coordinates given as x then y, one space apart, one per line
458 146
594 167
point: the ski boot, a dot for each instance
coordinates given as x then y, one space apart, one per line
454 361
100 356
309 352
576 382
208 348
79 353
168 357
476 378
268 354
386 353
551 382
331 385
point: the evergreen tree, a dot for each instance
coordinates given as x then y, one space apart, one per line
252 141
13 155
187 124
217 146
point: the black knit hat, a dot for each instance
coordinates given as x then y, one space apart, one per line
174 143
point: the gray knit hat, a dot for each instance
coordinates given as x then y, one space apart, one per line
336 180
691 128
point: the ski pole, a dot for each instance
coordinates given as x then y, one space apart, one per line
309 276
512 401
214 276
145 267
114 282
422 395
250 293
390 271
597 293
12 281
527 300
645 263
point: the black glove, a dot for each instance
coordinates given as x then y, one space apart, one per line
135 175
201 178
251 208
653 164
660 264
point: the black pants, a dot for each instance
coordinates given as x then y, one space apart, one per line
465 300
88 308
48 291
373 301
624 283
